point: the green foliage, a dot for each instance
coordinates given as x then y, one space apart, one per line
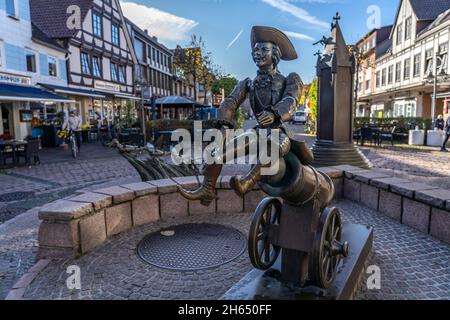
227 82
312 119
239 119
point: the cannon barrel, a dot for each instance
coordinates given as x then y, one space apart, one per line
299 184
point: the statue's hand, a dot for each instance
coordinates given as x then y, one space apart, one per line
266 118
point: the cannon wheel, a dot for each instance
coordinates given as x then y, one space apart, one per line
263 254
328 248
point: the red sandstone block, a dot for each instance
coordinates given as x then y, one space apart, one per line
173 205
92 231
252 200
145 210
64 210
119 194
118 219
369 196
229 202
99 201
440 224
59 234
195 207
352 190
141 188
416 215
391 205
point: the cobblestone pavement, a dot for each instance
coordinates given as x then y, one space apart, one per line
58 176
424 165
18 247
413 265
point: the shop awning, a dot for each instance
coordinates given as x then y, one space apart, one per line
9 92
73 91
119 95
177 101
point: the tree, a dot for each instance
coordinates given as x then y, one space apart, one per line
195 63
227 82
312 96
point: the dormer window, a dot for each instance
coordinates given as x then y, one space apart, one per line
399 34
408 28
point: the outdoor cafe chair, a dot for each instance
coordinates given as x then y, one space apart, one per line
31 151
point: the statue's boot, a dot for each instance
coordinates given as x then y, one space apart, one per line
244 185
207 192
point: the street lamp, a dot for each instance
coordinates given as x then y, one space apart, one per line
433 78
142 85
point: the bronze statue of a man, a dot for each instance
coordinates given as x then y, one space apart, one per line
273 98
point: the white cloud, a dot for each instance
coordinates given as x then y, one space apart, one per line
298 36
297 12
165 26
235 39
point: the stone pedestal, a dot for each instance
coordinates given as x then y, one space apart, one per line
435 138
416 138
327 154
267 285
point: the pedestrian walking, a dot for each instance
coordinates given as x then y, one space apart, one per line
447 135
439 124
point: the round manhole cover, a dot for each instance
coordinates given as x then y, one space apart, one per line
192 247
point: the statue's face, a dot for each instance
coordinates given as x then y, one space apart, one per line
262 54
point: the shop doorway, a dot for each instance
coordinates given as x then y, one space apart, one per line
6 111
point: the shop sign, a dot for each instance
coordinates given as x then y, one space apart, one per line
102 85
14 79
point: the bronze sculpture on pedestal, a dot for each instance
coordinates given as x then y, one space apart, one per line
307 232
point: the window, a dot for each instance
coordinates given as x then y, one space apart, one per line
367 85
398 72
85 65
31 61
154 54
122 74
96 67
429 62
377 83
140 49
383 77
374 42
416 70
114 72
52 66
115 35
390 74
97 25
442 61
408 28
11 8
407 69
399 34
1 53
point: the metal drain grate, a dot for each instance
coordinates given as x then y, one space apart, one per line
192 247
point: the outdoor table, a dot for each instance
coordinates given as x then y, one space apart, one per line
416 137
15 146
435 138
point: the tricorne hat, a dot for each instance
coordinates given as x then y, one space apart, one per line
269 34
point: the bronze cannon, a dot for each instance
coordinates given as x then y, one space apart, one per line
296 220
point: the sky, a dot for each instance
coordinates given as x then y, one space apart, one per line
225 26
